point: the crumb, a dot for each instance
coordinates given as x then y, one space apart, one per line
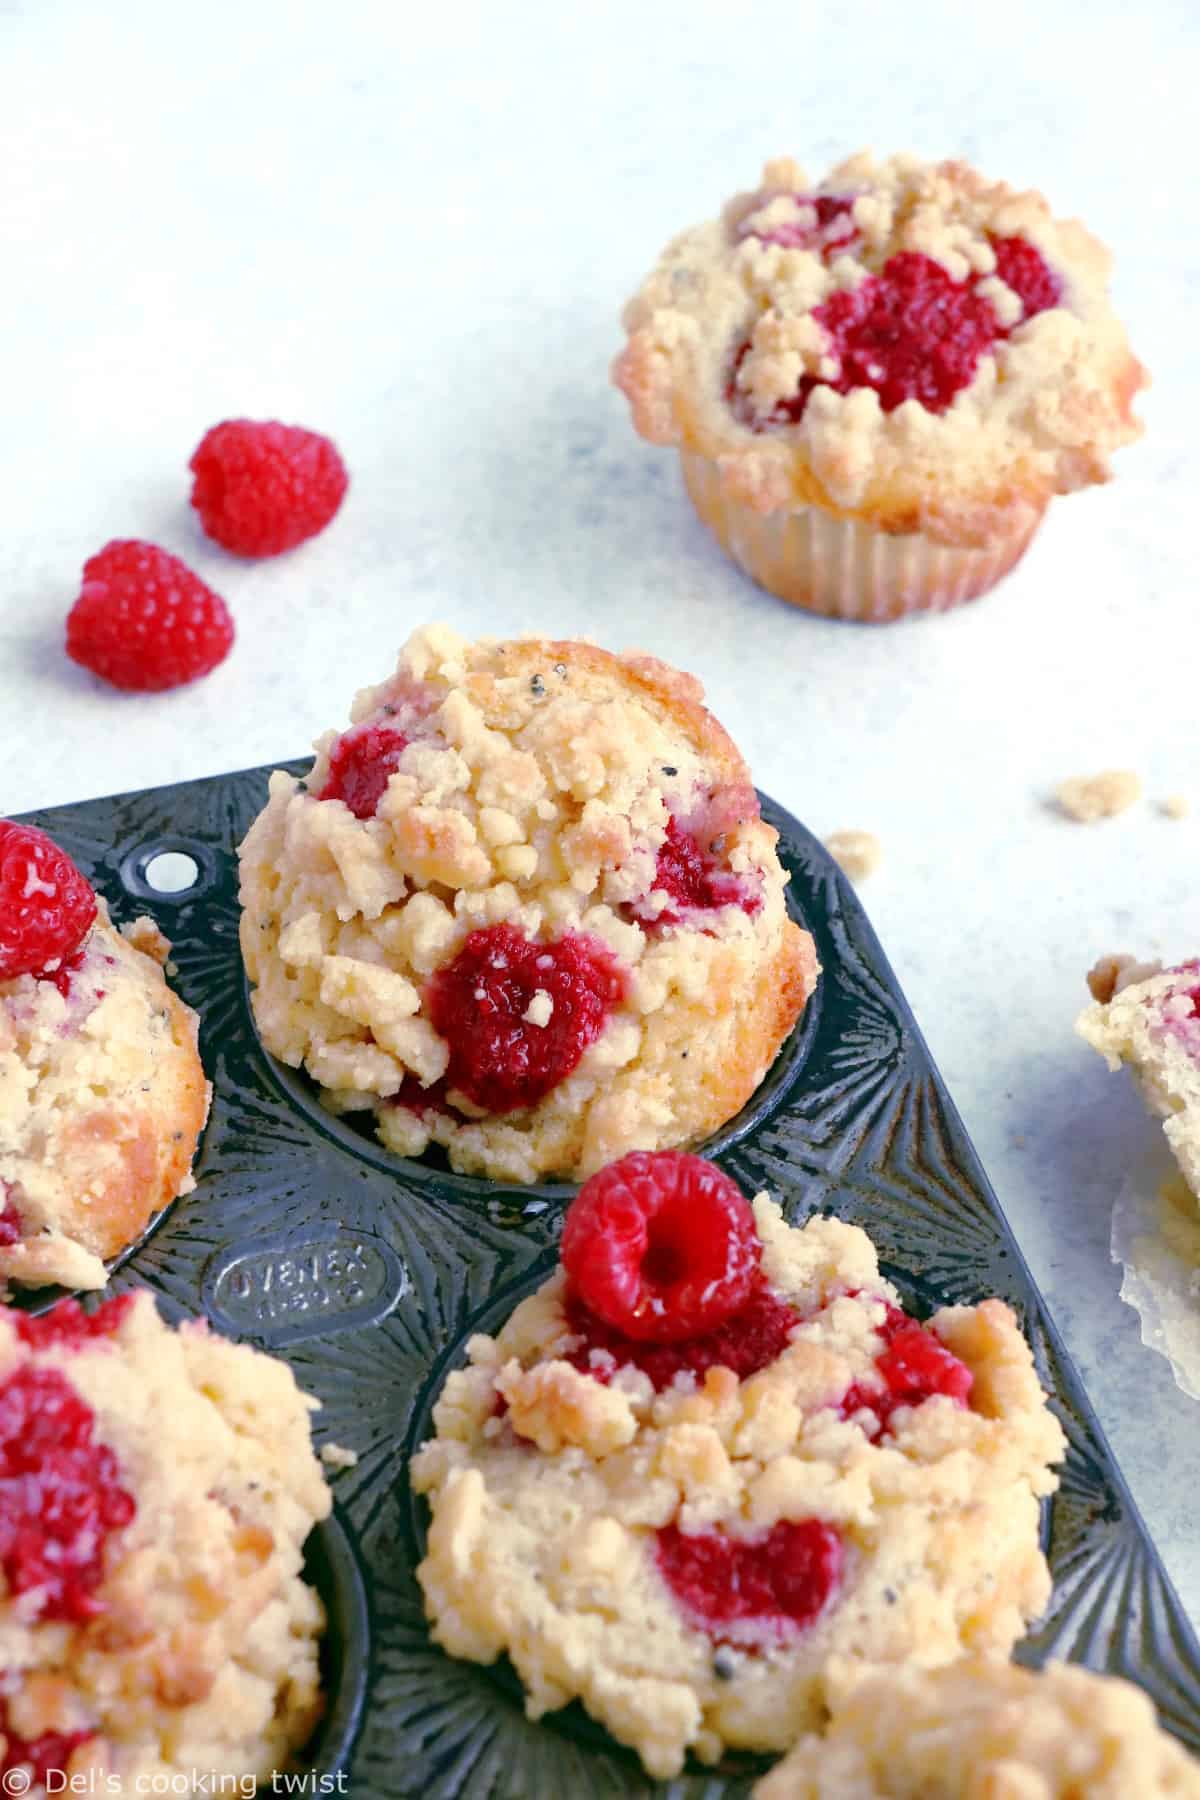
336 1456
145 936
1018 1141
1175 806
857 853
1109 974
1087 798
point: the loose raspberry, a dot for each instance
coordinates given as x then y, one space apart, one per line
753 1591
695 882
661 1245
263 488
46 905
67 1326
748 1341
914 1366
361 764
832 231
143 621
1026 272
60 1496
485 1004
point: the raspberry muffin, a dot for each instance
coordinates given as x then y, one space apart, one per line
1149 1017
712 1462
102 1095
157 1487
525 909
877 383
987 1730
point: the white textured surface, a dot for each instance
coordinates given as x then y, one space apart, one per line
414 228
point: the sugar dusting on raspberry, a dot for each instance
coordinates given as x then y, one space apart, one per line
749 1340
914 1366
262 487
144 622
507 1053
361 763
753 1591
661 1246
46 905
61 1497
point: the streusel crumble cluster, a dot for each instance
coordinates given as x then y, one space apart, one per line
525 908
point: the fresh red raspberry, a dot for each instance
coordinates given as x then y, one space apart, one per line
753 1591
1026 272
143 621
833 232
46 905
60 1496
755 1335
361 764
67 1326
500 1059
914 1366
264 487
694 881
661 1245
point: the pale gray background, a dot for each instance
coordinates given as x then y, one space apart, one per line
413 228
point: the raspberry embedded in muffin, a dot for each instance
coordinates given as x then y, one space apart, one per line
1148 1018
526 909
102 1095
877 382
985 1727
697 1545
517 1014
156 1488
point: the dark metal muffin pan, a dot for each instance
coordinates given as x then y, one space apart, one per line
368 1272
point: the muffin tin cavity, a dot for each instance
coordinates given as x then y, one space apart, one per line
331 1566
367 1272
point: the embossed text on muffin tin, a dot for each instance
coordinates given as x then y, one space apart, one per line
280 1291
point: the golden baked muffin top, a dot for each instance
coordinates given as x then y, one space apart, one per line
903 342
525 908
712 1461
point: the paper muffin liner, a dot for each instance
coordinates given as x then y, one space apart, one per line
1156 1242
843 568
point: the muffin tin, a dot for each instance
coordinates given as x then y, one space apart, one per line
368 1272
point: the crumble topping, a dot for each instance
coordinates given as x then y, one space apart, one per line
766 341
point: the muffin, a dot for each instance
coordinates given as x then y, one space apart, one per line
525 909
1148 1017
987 1730
102 1094
876 384
157 1488
711 1463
